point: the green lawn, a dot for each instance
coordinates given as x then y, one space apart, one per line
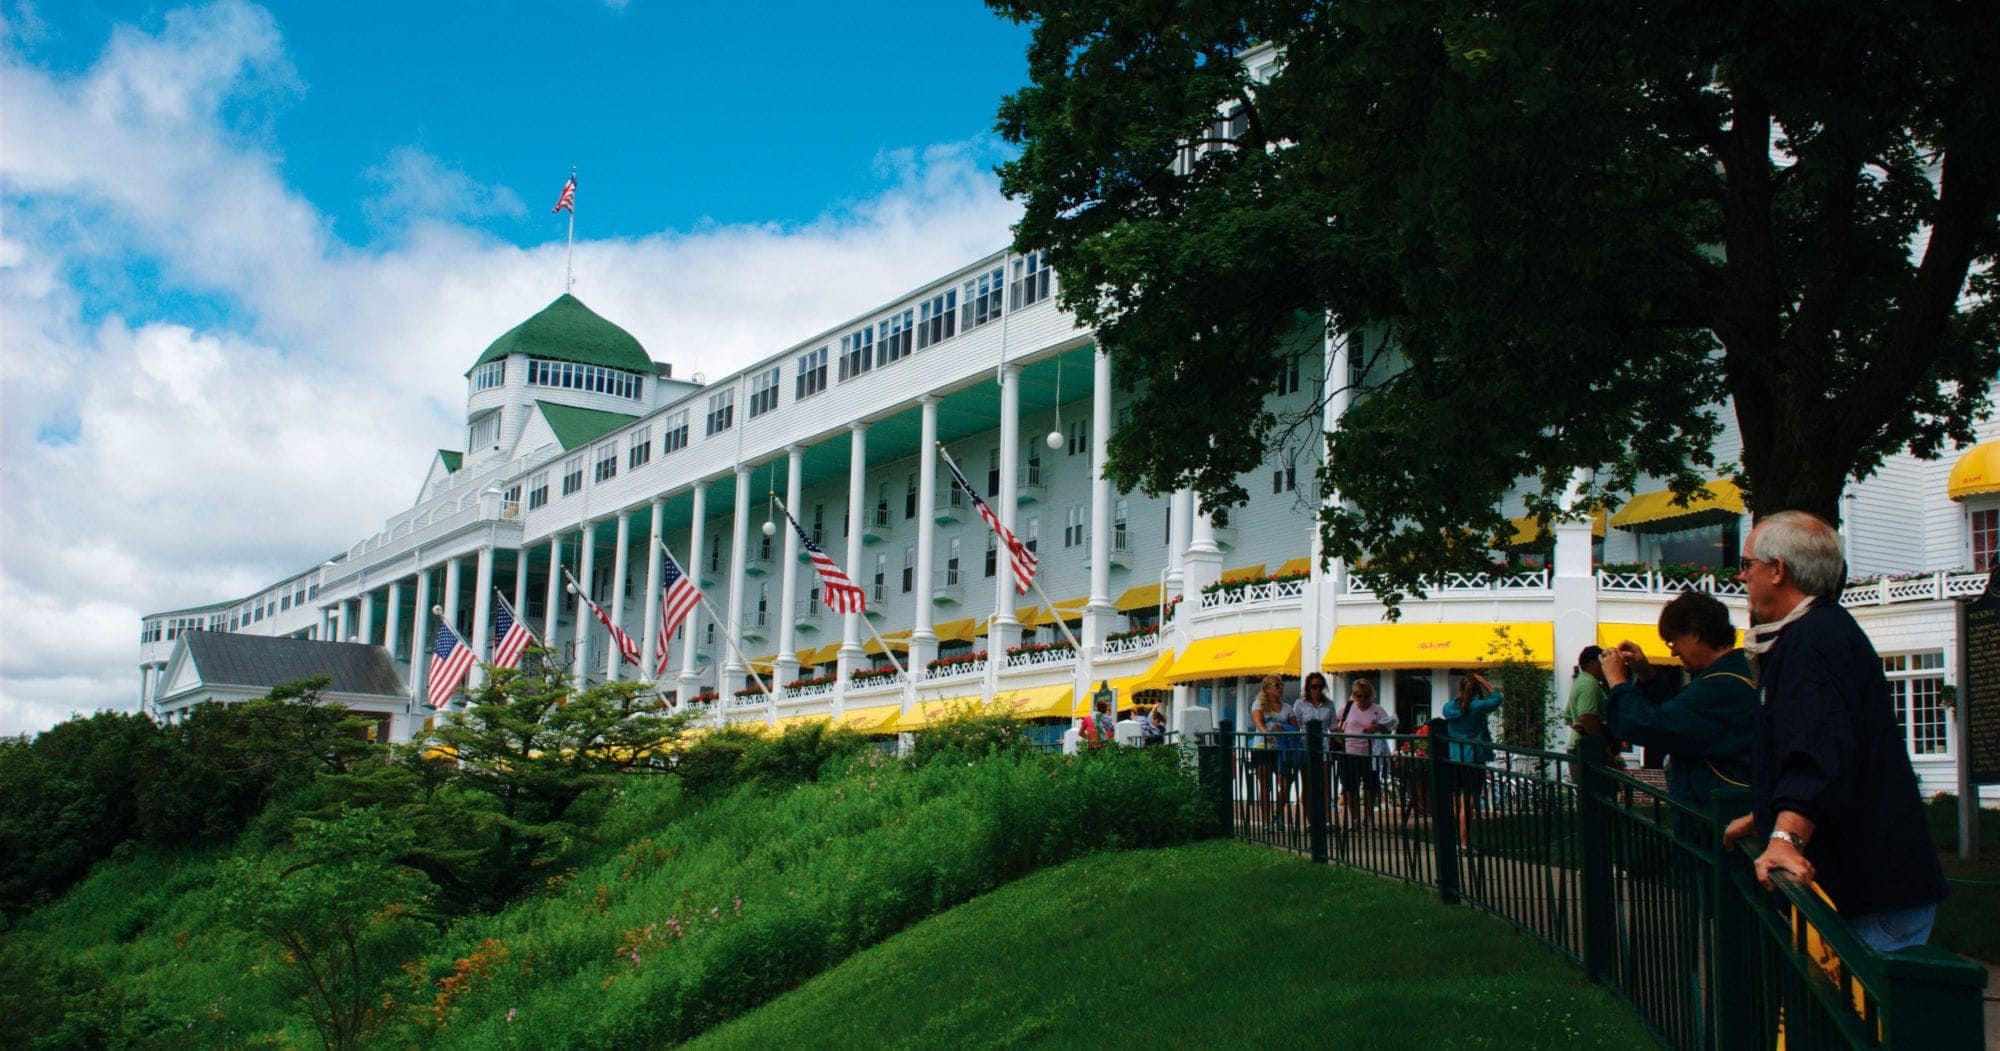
1219 943
1968 922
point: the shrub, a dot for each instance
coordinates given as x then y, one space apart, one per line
965 732
736 756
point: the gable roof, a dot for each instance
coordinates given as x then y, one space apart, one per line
452 459
574 426
566 330
223 658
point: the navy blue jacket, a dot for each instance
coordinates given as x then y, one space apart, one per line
1827 748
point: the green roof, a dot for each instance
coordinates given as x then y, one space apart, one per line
574 426
452 460
566 330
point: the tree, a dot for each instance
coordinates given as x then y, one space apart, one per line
1580 231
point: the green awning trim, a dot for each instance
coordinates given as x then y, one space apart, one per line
452 460
574 426
566 330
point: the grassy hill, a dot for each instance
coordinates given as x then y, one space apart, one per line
1218 943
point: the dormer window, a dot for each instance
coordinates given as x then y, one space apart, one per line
490 375
568 375
484 432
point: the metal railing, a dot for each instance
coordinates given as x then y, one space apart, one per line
1607 869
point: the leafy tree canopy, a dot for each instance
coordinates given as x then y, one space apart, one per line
1586 235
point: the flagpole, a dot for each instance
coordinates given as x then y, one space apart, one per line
728 635
438 612
1035 581
909 685
569 266
516 615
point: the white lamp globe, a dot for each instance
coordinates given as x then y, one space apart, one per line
770 528
1055 439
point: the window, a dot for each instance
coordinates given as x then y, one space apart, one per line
512 498
674 433
640 446
567 375
857 352
764 392
764 603
490 375
1916 685
882 506
897 332
1079 437
1284 481
1121 509
993 473
1031 281
819 523
483 432
284 603
572 475
881 576
1031 537
992 551
1073 527
714 553
1985 537
909 568
982 299
812 374
1032 471
1288 380
607 462
721 411
910 498
764 548
937 319
951 563
538 490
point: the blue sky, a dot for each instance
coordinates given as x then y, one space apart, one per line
247 252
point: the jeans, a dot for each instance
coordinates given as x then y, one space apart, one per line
1895 929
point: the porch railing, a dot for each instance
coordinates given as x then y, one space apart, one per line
1612 872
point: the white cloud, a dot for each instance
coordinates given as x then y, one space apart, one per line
150 462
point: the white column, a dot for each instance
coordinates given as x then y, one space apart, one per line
857 520
324 631
482 604
614 662
520 596
420 647
923 637
649 653
1098 615
145 686
1319 609
1204 559
739 543
1573 584
586 558
347 618
1180 521
692 625
392 618
788 656
450 597
367 601
552 601
1006 631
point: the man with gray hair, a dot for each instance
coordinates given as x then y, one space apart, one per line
1832 789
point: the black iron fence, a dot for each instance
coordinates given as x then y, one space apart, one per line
1609 870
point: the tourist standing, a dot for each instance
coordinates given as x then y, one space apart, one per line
1706 728
1585 710
1465 722
1268 718
1832 792
1359 783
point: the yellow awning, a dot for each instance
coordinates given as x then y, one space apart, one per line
1129 687
1647 636
928 712
876 720
1367 647
790 721
1302 566
1977 471
1144 596
816 655
1231 576
1527 530
1248 653
1657 512
1040 702
897 640
963 630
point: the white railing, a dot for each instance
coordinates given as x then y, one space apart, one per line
949 504
1653 582
1041 658
1944 584
956 671
1134 644
698 707
755 700
1253 594
799 693
948 585
806 611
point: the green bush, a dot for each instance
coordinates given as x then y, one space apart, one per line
966 733
736 755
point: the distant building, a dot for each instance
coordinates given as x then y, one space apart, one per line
580 448
229 667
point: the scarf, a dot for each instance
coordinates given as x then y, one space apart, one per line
1761 637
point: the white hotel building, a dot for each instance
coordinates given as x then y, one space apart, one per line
580 451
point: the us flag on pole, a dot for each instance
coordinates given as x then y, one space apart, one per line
678 597
510 637
627 649
842 594
453 660
567 202
1019 559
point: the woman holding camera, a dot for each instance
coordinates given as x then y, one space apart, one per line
1471 743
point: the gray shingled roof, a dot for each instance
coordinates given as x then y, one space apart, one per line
227 659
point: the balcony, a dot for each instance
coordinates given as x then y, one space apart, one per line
1042 656
875 524
1144 642
1121 547
1254 593
1647 581
761 561
947 587
808 614
757 626
950 505
1029 488
958 668
1470 583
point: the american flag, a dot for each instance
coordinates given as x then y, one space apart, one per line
510 637
842 594
627 649
678 598
567 202
1019 558
453 660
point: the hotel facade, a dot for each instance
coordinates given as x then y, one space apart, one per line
584 458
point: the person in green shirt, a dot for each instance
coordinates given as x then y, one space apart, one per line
1585 711
1706 728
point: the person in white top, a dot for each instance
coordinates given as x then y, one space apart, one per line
1360 717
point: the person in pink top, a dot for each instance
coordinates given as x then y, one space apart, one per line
1360 717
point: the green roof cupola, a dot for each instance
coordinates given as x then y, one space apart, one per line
566 330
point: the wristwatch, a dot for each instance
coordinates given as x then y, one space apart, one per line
1788 837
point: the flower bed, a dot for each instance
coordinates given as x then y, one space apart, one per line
1146 632
1235 587
1039 647
957 660
866 676
817 680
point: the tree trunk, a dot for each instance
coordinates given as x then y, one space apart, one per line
1793 461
